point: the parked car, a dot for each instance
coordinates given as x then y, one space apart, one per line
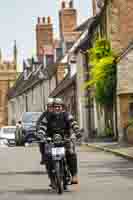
7 135
26 128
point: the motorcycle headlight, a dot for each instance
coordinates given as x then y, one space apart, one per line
57 138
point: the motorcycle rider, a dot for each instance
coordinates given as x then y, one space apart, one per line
63 121
41 126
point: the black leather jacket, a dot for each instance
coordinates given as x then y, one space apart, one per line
51 123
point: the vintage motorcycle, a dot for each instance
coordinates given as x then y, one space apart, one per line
56 164
55 159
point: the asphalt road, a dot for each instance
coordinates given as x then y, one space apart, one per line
102 176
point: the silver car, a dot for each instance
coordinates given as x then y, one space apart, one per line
7 135
27 127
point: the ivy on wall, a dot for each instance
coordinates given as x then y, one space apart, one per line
103 72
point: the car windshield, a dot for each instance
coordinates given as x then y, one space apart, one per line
30 117
9 130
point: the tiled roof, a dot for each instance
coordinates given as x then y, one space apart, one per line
23 85
65 83
85 39
84 25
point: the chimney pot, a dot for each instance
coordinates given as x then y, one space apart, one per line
63 4
71 4
38 20
49 20
43 20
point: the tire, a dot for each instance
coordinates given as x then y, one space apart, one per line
59 177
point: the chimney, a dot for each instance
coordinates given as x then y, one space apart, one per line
67 19
44 35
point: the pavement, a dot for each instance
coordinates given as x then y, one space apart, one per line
102 176
120 149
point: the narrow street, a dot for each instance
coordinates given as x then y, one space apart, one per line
102 176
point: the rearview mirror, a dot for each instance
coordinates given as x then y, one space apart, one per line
81 130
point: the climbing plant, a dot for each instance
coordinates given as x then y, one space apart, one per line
103 72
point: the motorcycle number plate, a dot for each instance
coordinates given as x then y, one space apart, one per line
58 151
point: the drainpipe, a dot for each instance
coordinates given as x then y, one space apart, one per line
87 93
116 113
26 103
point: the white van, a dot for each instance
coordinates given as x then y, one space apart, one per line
7 135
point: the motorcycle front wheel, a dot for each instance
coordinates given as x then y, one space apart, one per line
59 177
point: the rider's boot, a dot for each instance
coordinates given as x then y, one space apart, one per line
74 180
72 163
42 162
65 187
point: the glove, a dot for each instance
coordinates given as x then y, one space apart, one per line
41 137
78 135
73 136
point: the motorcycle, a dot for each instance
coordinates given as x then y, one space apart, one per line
55 156
55 159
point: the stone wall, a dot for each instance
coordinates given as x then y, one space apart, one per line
124 91
6 78
125 74
120 26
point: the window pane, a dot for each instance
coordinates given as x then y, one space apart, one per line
131 110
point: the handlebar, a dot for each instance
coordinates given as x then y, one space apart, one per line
56 138
48 139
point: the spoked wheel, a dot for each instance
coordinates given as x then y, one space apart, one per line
59 181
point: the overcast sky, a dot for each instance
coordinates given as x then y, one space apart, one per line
18 19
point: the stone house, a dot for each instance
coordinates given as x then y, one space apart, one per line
125 92
66 77
117 26
31 94
8 75
67 70
71 88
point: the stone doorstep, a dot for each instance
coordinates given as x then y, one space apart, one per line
123 152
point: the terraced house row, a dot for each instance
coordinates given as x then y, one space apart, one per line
62 66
